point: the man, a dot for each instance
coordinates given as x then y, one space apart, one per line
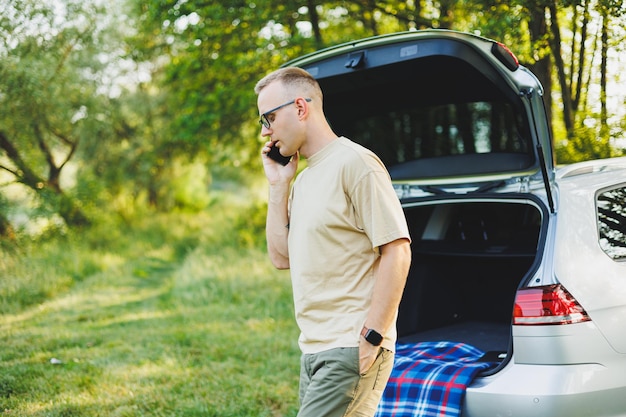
341 231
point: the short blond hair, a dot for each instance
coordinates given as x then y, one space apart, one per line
293 78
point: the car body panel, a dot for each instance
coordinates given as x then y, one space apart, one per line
549 391
561 345
579 259
555 371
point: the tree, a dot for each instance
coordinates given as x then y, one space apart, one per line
581 71
215 52
60 110
47 71
6 228
208 56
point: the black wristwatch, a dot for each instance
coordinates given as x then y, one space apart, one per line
372 336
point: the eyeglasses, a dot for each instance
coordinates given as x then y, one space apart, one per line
264 121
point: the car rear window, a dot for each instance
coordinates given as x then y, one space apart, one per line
611 210
434 107
408 134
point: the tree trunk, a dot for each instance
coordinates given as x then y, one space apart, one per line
603 69
555 46
446 14
541 67
315 23
47 190
605 133
6 229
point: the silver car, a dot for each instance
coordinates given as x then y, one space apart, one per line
511 255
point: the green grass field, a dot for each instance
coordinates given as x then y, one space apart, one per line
177 315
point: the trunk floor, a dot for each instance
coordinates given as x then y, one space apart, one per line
486 336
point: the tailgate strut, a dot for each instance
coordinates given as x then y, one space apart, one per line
527 93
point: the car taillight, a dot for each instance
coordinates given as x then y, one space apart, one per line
550 304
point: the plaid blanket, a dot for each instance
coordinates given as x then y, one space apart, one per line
429 379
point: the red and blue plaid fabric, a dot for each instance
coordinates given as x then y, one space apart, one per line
429 379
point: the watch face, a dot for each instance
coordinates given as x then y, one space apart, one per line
374 337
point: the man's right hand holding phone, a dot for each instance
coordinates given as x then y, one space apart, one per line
278 171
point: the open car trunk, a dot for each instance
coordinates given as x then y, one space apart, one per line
469 257
462 129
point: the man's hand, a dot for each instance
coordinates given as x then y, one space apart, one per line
275 172
367 355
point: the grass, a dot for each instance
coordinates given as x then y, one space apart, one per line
179 315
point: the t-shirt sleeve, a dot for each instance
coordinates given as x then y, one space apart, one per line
378 209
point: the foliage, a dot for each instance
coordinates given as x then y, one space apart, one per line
208 43
217 51
250 227
47 79
584 141
118 105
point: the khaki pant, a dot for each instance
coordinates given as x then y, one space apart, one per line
331 386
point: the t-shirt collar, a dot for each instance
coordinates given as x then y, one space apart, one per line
320 155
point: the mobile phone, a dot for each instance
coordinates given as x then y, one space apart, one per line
274 153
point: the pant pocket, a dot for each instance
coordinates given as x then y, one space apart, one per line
384 366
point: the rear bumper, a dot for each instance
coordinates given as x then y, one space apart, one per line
547 390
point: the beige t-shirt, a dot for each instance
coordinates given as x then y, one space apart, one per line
342 208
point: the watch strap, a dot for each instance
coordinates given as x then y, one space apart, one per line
372 336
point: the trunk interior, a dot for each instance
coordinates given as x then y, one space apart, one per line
469 257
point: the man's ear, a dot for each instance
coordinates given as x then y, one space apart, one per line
303 107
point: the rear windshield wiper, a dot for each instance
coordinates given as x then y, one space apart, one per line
481 189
